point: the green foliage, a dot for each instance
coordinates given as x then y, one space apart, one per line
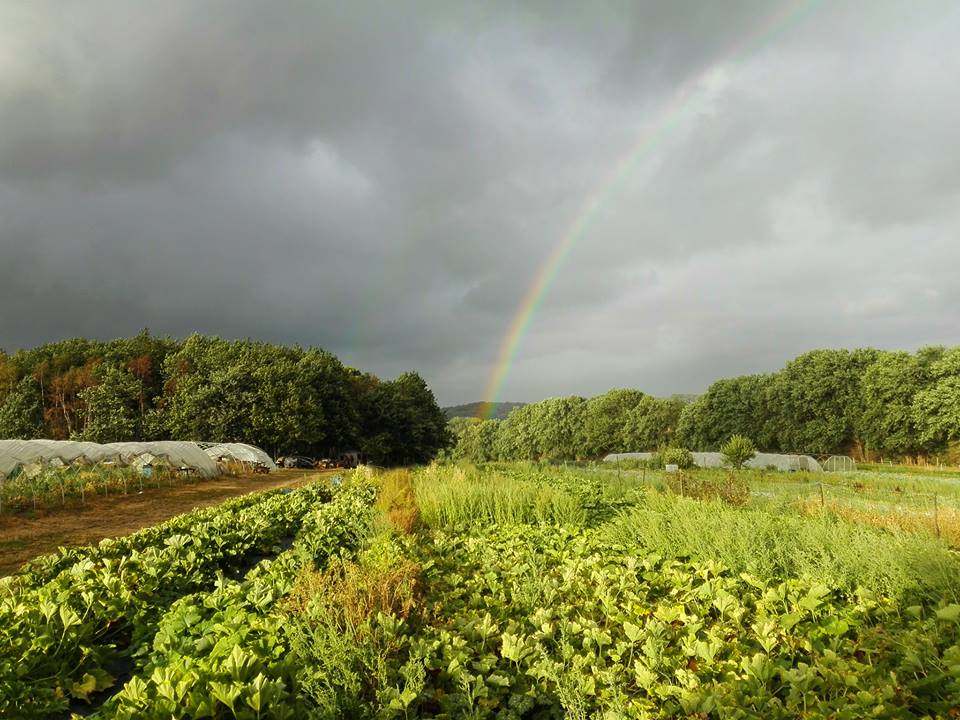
652 423
825 401
228 650
551 430
557 622
605 424
936 408
817 400
733 406
71 617
111 407
301 605
20 414
473 440
285 399
737 451
411 426
681 457
889 424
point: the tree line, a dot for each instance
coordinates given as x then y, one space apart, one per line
287 400
865 402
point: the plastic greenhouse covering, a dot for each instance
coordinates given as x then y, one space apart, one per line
238 452
715 460
28 455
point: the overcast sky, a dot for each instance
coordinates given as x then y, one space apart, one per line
384 180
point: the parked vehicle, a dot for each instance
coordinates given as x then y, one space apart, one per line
295 461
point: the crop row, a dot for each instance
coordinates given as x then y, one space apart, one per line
46 567
55 487
226 653
64 634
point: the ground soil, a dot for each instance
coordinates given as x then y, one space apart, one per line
27 535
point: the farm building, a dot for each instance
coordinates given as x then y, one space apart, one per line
33 456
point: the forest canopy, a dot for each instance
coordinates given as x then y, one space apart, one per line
865 402
283 399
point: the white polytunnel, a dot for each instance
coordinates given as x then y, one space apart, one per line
716 460
17 455
239 452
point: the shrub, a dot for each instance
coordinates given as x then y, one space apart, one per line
681 457
737 451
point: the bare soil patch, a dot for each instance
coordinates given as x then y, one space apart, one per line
27 535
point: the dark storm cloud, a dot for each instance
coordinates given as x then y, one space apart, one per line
386 181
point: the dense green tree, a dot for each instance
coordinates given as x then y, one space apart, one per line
112 407
559 426
332 389
516 437
472 439
409 426
889 424
936 408
21 415
652 423
692 428
284 399
291 400
732 406
817 400
551 429
606 419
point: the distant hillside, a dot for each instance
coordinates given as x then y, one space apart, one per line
500 409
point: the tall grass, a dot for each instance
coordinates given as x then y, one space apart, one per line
396 501
944 520
454 496
771 546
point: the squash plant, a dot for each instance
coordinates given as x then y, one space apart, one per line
61 638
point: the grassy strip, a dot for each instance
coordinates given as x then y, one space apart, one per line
449 497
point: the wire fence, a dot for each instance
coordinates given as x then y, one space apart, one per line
896 509
884 501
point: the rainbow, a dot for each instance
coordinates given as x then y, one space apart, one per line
664 120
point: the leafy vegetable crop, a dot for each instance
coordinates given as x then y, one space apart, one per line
65 627
532 593
551 622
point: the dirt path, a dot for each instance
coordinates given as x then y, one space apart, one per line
23 537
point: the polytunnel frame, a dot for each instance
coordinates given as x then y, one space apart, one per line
18 455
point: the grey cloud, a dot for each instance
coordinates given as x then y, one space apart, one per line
387 181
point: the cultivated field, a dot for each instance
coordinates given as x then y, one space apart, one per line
508 591
25 534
